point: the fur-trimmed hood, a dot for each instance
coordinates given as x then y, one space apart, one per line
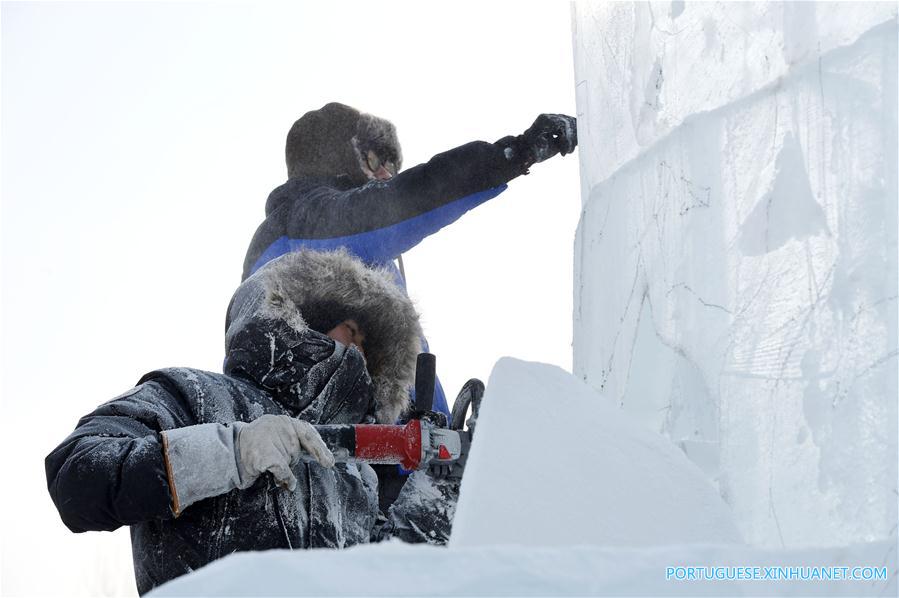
288 292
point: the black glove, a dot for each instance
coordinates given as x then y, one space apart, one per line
550 134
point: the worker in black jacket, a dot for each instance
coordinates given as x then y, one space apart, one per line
202 464
345 188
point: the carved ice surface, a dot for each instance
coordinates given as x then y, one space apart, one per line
736 259
553 463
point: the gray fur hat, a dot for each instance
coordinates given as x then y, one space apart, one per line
310 286
329 142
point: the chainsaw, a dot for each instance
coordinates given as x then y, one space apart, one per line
426 441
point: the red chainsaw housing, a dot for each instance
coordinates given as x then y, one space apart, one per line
379 443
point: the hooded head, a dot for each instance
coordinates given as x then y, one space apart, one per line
270 336
339 141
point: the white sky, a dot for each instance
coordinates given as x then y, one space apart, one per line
139 143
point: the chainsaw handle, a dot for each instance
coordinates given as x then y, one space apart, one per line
425 379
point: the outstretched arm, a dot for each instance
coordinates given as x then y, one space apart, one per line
383 219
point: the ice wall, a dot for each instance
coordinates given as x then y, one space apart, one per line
736 259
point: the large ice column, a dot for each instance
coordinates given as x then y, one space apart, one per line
736 259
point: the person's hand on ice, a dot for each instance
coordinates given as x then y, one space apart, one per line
551 134
275 442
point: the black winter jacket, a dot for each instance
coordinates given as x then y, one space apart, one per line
111 470
380 220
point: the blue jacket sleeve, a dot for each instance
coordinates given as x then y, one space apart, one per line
381 245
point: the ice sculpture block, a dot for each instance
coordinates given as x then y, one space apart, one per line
736 259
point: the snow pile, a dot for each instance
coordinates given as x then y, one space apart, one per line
553 463
736 260
397 569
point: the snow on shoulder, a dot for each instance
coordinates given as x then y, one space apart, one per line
555 463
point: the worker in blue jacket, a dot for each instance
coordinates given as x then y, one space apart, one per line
345 190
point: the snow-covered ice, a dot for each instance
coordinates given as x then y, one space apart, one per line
553 463
736 260
397 569
639 475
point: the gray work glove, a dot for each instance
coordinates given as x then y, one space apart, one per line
274 443
206 460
